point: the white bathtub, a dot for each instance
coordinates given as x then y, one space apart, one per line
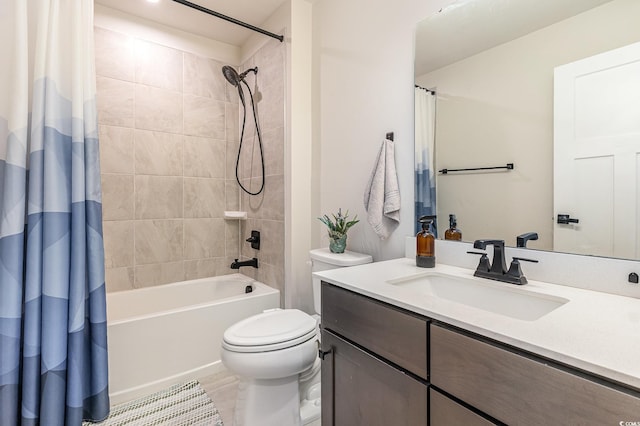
163 335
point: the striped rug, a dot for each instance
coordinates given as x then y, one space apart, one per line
182 404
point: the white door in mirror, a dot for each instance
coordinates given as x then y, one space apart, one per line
597 154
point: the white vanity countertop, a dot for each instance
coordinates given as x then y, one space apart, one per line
594 331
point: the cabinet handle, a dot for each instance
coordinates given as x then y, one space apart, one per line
322 354
328 380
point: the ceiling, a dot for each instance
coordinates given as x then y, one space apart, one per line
467 27
176 15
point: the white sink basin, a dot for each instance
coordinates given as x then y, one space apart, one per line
500 298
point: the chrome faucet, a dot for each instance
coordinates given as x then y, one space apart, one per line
252 262
497 269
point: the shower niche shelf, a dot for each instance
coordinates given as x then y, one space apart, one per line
235 215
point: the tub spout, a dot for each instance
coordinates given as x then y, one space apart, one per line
237 265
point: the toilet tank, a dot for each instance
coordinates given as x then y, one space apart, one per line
323 259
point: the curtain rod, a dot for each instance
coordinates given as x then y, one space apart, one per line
229 19
433 92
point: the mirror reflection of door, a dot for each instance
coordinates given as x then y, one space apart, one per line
597 154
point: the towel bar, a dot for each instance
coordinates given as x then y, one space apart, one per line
509 166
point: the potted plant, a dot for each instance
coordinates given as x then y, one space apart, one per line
338 228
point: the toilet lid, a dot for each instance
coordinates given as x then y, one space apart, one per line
271 330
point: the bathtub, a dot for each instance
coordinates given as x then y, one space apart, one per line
163 335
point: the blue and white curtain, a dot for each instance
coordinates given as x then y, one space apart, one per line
53 343
425 134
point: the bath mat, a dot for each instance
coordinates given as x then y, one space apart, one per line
182 404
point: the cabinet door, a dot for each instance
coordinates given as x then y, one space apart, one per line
519 390
360 389
446 412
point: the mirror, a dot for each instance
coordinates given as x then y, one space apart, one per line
491 64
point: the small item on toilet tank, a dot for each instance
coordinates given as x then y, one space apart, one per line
633 278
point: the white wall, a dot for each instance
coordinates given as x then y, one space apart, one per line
115 20
364 50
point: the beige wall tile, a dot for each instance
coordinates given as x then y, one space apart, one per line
159 273
273 276
114 100
114 54
118 279
271 60
116 149
158 153
250 162
232 196
158 109
204 117
117 197
272 116
158 66
158 241
202 238
203 77
273 141
204 268
232 237
272 242
118 243
203 197
232 156
187 121
232 117
204 157
159 197
273 207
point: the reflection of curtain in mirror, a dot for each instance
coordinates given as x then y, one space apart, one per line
425 183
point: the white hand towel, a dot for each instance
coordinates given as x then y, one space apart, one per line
382 195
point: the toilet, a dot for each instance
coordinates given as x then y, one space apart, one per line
275 356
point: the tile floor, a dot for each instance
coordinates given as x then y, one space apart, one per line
222 388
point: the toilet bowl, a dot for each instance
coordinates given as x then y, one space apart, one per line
275 356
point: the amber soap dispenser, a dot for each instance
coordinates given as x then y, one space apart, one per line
426 243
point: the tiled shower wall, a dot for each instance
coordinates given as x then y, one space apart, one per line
168 126
266 210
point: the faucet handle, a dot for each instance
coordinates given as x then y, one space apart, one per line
484 264
515 271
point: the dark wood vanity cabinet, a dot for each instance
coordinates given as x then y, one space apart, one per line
517 388
387 366
375 363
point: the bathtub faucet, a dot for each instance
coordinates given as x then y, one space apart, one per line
237 265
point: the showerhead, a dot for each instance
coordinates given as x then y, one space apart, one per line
232 75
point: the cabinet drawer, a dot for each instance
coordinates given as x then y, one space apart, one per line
518 390
393 334
359 389
444 411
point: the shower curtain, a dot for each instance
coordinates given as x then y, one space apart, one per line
53 351
425 183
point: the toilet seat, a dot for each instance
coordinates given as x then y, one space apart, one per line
270 331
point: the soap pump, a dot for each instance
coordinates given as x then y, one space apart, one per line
426 243
453 233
